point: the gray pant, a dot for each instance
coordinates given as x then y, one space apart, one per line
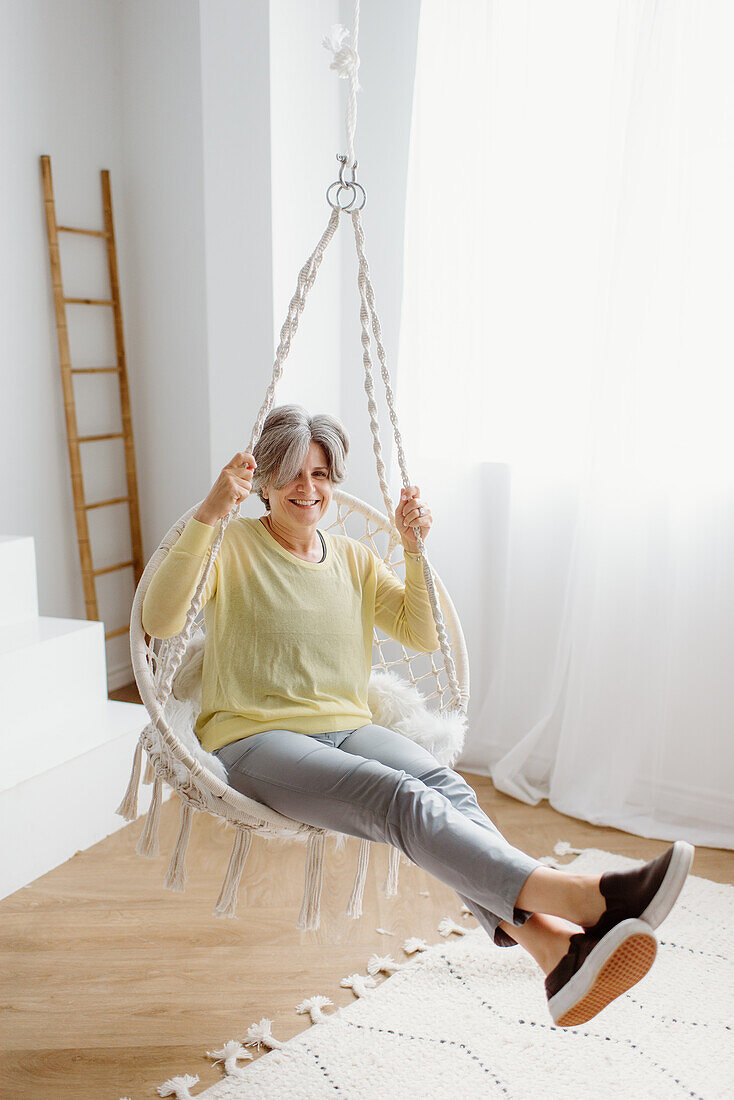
377 784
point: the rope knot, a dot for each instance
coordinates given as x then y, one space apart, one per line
346 59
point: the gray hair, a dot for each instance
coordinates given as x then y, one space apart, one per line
287 434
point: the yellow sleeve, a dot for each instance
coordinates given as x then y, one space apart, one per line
404 611
174 582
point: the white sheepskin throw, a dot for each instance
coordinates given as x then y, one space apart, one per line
184 706
398 705
394 703
181 715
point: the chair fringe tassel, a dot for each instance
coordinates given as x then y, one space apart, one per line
354 909
176 876
148 843
128 808
310 915
149 773
227 901
393 866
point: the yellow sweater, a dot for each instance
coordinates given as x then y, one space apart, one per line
288 642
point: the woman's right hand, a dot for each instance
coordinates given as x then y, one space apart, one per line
231 487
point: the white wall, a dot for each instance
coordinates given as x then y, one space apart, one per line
60 95
235 41
324 371
305 121
387 45
220 122
165 289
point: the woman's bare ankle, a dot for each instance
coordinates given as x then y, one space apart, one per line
576 898
591 902
546 938
556 950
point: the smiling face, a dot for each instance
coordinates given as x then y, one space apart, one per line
301 504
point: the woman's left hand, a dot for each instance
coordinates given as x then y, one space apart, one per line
412 512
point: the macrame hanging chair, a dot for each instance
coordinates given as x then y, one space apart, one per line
168 671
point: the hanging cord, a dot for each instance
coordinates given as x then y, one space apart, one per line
367 298
346 64
306 279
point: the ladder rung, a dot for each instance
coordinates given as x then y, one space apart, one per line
94 438
91 301
116 633
95 370
113 568
87 232
106 503
76 433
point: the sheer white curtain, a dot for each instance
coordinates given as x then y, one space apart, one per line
565 367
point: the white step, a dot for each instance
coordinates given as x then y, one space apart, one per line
18 568
46 659
61 733
65 809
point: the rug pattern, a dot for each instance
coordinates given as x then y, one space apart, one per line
466 1018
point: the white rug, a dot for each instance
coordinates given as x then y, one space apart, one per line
466 1018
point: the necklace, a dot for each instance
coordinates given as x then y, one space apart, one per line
268 524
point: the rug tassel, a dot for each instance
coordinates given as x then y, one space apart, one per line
563 848
227 901
148 843
314 1005
261 1035
310 915
178 1087
359 984
229 1054
128 808
447 925
354 909
176 877
393 867
413 944
384 963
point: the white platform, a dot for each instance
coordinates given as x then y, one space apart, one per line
61 734
20 599
49 662
66 749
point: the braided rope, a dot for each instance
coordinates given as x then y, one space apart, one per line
156 664
306 279
367 298
346 64
369 385
353 86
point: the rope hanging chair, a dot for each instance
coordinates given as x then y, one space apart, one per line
168 671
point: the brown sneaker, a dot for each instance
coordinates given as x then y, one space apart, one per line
596 970
648 892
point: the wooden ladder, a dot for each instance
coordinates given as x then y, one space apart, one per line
75 441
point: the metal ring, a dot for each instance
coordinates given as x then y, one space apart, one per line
346 185
342 187
364 196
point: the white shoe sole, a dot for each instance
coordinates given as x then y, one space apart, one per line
672 884
619 960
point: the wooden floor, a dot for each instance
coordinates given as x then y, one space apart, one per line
111 984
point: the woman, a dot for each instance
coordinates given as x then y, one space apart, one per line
289 615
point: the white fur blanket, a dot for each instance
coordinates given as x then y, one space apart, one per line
393 701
